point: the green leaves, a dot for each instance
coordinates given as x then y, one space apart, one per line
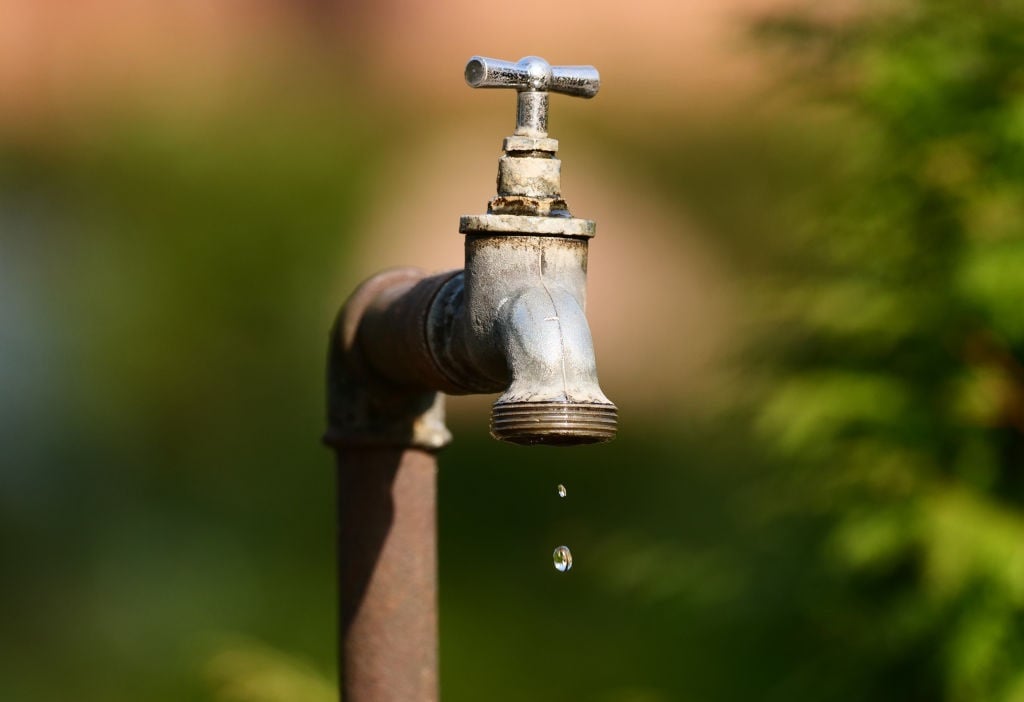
806 413
991 280
899 341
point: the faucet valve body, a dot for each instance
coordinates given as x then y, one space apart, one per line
511 322
526 263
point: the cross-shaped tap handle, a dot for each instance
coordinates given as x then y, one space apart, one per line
533 78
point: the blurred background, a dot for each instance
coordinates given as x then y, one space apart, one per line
806 294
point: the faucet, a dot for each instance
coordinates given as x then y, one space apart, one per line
511 322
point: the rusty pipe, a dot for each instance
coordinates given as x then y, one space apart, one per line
384 435
387 567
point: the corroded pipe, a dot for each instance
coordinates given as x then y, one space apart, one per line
387 554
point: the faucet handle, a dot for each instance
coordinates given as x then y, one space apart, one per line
533 78
533 73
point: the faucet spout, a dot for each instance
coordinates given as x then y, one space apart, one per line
553 396
514 323
547 344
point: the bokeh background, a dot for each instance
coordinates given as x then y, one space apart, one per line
807 295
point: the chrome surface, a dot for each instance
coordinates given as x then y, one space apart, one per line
533 78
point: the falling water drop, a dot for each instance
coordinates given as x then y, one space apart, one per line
562 558
561 490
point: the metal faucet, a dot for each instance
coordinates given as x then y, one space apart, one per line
511 322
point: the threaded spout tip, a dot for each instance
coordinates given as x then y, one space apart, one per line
554 423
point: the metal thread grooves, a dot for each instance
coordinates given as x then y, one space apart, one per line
553 423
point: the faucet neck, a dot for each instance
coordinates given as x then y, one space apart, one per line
529 200
529 178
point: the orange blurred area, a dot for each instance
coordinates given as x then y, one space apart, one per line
57 54
62 58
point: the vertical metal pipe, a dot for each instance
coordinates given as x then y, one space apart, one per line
387 570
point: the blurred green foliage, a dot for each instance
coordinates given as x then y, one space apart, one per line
173 280
891 377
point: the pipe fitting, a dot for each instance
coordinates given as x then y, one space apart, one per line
512 322
374 394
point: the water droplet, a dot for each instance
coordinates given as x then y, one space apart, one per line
561 490
562 558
